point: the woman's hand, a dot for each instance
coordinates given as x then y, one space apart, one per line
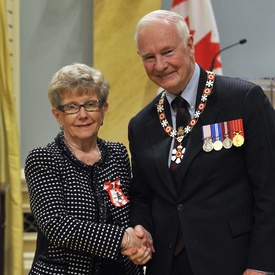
140 246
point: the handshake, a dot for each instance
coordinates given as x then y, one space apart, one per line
137 245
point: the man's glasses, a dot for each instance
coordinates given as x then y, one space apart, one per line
72 108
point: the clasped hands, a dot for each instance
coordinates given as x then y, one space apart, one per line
137 245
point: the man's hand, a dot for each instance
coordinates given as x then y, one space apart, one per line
254 272
140 247
145 237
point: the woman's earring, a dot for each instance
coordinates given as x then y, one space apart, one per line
61 127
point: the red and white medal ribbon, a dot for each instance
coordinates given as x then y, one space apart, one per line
227 135
117 197
238 132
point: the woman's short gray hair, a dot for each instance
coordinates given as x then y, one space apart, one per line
79 76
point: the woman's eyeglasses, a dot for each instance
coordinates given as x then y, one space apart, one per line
73 108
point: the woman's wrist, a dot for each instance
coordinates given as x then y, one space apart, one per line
125 244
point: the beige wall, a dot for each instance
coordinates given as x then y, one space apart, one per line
115 55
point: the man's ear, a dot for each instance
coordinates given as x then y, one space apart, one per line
191 46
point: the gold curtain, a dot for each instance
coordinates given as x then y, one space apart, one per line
10 157
116 56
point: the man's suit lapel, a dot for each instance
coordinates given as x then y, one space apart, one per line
161 143
195 140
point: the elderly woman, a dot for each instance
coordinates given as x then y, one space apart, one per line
78 185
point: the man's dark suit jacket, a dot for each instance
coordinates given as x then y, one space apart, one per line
225 205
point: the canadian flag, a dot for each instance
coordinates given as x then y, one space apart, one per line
200 19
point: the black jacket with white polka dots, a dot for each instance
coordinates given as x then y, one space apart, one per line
78 226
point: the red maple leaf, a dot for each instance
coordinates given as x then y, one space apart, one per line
205 51
176 2
192 32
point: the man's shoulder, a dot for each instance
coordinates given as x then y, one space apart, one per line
221 79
